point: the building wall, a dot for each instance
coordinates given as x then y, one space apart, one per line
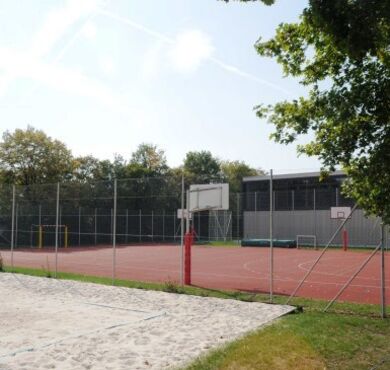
362 231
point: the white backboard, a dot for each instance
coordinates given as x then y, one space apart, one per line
208 197
340 212
183 213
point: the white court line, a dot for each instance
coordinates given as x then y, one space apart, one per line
306 281
351 269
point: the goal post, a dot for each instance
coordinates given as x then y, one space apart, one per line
41 229
306 241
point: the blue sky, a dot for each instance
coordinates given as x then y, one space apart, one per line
104 76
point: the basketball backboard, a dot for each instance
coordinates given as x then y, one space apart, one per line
204 197
340 212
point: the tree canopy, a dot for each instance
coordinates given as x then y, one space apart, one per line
201 166
339 50
234 171
151 158
31 157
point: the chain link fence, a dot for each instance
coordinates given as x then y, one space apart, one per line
130 229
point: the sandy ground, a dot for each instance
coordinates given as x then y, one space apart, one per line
54 324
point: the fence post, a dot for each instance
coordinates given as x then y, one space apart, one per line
60 231
238 217
174 226
163 224
12 226
56 232
140 225
16 224
152 225
271 241
79 226
383 284
256 236
111 224
199 229
127 226
315 212
114 234
95 226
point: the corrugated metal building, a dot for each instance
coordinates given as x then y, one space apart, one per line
302 204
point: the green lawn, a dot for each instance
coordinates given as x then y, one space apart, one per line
351 336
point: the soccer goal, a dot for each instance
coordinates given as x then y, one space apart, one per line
306 241
41 230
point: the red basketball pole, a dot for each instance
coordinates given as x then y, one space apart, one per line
345 239
187 257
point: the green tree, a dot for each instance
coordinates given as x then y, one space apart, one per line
340 51
150 158
235 171
31 157
201 167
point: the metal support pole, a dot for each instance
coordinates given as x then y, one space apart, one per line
95 226
114 234
256 215
79 226
16 225
321 254
140 226
152 225
174 226
111 225
57 223
383 285
163 224
238 217
361 267
60 223
127 226
315 212
271 236
199 229
182 232
40 214
12 226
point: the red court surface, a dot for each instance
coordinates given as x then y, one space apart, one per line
245 269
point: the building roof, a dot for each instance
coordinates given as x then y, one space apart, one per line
290 176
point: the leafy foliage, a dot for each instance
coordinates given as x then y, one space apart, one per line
201 166
339 50
234 171
30 157
151 158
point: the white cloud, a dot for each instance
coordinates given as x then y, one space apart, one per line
58 21
202 48
60 78
249 76
190 49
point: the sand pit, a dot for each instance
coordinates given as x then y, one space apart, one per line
54 324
